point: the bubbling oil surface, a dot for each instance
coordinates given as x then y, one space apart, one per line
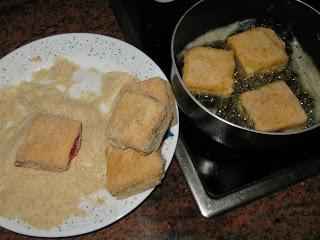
228 108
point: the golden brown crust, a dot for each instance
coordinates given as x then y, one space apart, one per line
258 51
273 107
48 143
209 71
129 172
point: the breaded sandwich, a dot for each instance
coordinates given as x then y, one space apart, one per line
157 88
51 142
129 172
209 71
273 107
138 121
258 51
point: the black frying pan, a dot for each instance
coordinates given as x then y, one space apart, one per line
293 18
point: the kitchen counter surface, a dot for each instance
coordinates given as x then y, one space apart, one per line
169 212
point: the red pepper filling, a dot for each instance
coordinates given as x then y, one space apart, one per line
75 147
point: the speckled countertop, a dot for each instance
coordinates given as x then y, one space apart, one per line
170 212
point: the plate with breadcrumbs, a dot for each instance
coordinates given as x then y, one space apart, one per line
88 128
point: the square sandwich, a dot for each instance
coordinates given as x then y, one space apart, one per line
51 142
273 107
258 51
157 88
209 71
129 172
138 121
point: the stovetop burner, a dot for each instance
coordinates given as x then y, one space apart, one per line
220 178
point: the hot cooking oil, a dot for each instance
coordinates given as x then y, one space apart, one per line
229 108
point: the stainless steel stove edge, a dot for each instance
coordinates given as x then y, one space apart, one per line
210 207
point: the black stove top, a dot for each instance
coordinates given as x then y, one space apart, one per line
228 177
223 170
148 25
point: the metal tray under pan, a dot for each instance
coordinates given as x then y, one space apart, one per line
219 178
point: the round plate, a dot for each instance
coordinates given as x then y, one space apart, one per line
105 54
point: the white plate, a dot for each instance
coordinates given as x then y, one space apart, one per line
105 54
